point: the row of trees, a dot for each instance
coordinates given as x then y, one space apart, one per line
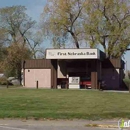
104 23
95 23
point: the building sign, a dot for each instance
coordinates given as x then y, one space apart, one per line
72 54
74 80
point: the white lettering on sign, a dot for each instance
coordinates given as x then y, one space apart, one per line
72 54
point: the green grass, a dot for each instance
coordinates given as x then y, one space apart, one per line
63 104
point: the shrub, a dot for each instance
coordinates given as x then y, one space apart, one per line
127 82
3 81
129 74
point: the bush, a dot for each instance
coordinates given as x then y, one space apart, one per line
127 82
129 74
3 81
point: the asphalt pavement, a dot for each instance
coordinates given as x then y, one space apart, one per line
8 124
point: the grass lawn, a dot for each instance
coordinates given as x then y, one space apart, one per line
63 104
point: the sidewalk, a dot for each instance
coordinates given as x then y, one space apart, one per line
74 122
19 124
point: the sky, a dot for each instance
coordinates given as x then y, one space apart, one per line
35 8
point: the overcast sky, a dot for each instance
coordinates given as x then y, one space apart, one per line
35 8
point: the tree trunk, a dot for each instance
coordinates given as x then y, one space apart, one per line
105 50
34 55
75 39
